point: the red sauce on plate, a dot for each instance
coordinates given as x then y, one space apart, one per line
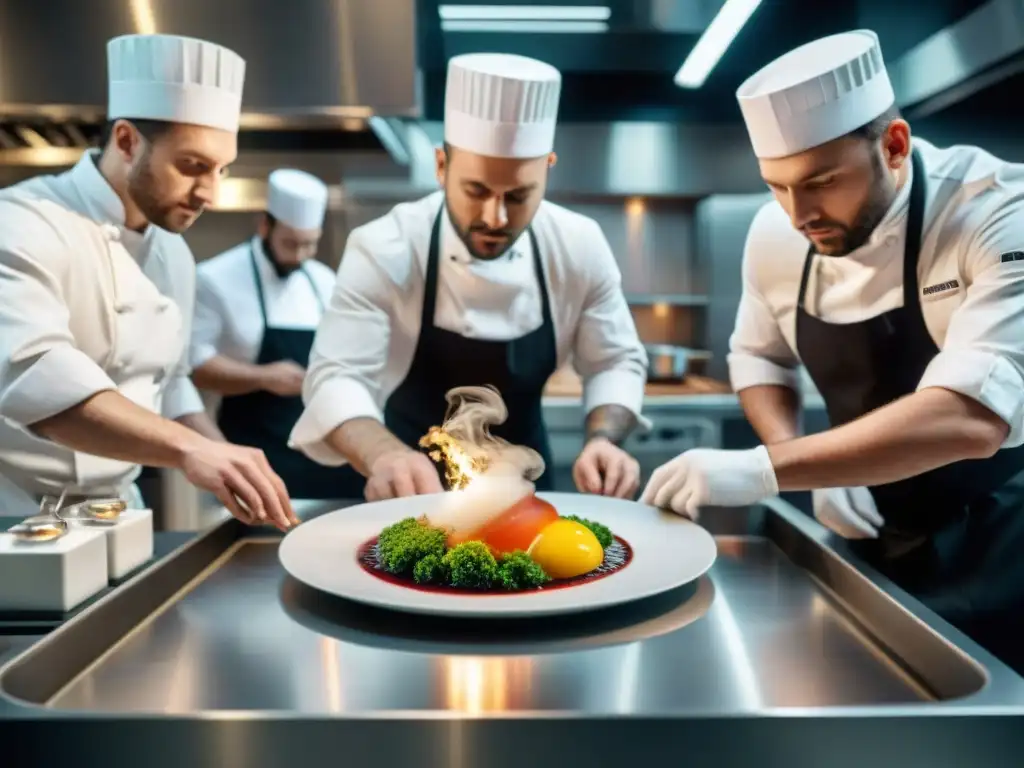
616 557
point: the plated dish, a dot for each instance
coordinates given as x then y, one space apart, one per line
492 546
666 552
531 548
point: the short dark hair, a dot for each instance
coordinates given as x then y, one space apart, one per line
271 220
875 129
151 130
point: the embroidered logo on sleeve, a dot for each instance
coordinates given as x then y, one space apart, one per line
949 285
1011 256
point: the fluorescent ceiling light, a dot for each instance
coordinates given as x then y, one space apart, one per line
524 12
713 43
555 27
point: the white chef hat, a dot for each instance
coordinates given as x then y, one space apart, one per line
177 79
815 93
296 198
501 105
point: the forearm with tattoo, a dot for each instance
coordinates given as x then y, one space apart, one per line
612 422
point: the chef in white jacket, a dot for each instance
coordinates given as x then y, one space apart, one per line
482 283
96 294
894 272
257 309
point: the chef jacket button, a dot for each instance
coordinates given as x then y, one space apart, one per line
110 232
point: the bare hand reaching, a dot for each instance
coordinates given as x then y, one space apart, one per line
283 378
402 472
242 480
605 469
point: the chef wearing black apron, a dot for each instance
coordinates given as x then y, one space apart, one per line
482 283
257 307
264 420
948 346
952 537
518 368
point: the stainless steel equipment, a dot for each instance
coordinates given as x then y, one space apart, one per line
679 424
47 525
54 518
667 362
327 84
786 653
328 57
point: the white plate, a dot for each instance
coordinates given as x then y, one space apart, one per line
668 552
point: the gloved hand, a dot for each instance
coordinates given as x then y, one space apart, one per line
711 477
850 512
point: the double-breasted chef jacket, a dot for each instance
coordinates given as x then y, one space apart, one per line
367 341
970 283
87 306
228 320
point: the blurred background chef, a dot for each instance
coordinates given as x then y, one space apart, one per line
482 283
98 288
257 308
891 270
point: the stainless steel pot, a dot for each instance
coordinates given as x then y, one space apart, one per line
666 362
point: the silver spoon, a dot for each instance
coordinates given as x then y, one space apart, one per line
46 526
100 512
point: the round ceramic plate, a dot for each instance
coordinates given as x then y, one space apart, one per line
668 552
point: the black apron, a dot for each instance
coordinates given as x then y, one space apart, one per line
519 369
264 420
953 537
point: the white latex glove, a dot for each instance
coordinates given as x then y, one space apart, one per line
850 512
711 477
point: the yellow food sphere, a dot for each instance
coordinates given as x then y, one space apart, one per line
565 549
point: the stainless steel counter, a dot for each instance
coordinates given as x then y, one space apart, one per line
782 654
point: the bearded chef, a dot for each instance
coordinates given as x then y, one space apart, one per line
98 287
483 283
894 272
257 308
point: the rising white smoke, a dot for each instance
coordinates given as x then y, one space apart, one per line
502 473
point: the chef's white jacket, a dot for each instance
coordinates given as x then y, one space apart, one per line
365 343
227 317
970 276
66 260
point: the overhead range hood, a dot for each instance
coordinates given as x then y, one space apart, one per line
327 81
983 48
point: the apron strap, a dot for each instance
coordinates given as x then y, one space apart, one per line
538 265
915 227
259 284
433 259
430 280
801 296
312 285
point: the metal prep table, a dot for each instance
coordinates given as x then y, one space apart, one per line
784 654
